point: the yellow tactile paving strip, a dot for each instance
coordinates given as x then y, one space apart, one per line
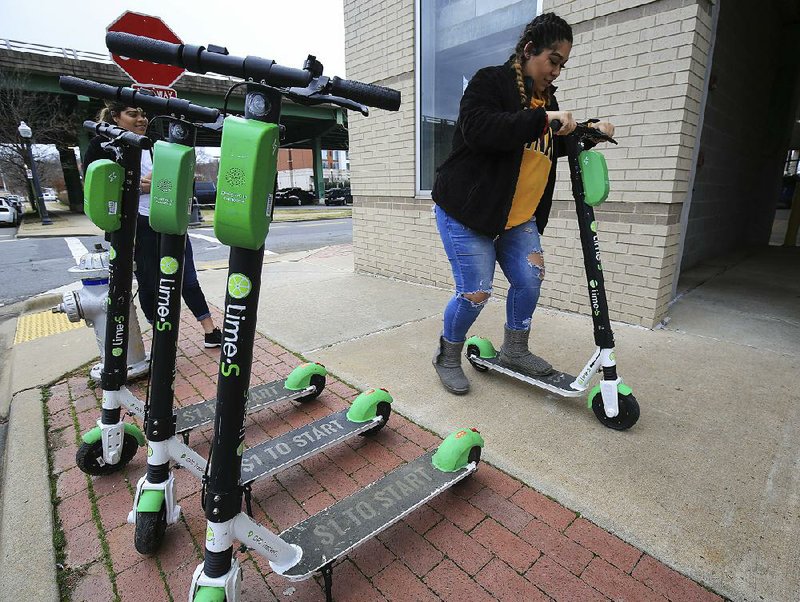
43 324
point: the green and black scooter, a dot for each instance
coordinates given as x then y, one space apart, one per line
111 200
612 401
155 505
244 202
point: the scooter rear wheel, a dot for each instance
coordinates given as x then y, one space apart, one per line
473 351
628 412
384 410
318 382
150 529
89 457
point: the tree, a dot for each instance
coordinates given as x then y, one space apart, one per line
48 115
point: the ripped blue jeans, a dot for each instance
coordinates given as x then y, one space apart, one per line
472 257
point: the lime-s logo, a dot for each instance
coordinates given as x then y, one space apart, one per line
112 254
227 369
149 452
116 352
168 265
239 286
162 326
209 534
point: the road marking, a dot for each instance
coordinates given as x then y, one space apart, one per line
206 238
211 239
77 248
10 240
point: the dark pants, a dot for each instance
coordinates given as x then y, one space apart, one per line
146 255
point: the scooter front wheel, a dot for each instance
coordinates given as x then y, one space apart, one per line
473 352
628 412
89 457
318 382
150 529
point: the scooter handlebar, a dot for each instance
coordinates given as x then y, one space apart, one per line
555 125
368 94
200 60
135 98
112 132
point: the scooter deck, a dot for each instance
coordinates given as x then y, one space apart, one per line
196 415
555 382
280 453
338 529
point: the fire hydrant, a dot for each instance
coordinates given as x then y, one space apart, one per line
90 302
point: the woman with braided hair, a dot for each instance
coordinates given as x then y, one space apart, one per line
493 194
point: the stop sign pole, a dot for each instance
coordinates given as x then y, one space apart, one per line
147 75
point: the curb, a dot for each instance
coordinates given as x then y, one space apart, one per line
30 575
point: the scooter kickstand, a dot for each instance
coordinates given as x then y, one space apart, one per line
327 576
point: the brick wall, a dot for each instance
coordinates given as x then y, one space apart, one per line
639 64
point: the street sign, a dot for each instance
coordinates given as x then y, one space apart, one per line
144 72
159 91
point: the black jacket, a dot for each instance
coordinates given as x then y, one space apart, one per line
476 183
94 152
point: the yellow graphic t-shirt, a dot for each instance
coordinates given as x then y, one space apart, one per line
533 174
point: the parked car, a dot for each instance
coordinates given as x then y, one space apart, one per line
49 195
338 196
294 196
8 215
16 202
205 193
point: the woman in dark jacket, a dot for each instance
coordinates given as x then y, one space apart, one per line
493 194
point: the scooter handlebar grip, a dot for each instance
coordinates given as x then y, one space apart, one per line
555 125
87 87
113 132
368 94
142 48
136 98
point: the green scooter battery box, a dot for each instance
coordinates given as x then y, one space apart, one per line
247 169
594 174
102 194
172 187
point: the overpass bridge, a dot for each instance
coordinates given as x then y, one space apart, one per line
316 127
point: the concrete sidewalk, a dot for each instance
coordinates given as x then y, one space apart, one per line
706 483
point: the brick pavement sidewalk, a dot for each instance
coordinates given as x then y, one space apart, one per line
488 538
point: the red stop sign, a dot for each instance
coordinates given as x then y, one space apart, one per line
145 72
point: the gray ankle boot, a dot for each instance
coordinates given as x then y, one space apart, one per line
515 354
447 362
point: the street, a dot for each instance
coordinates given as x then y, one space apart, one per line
31 266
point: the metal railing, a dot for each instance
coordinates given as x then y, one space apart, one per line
82 55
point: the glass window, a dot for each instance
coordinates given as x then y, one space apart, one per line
456 38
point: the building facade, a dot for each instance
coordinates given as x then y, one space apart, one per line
688 181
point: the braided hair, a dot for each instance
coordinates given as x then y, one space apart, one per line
112 108
544 31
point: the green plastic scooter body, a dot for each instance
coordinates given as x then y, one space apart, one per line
245 187
453 453
594 174
172 187
150 500
300 377
95 434
365 406
622 389
102 194
485 347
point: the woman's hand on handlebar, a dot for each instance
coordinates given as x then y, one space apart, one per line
145 185
566 119
604 126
